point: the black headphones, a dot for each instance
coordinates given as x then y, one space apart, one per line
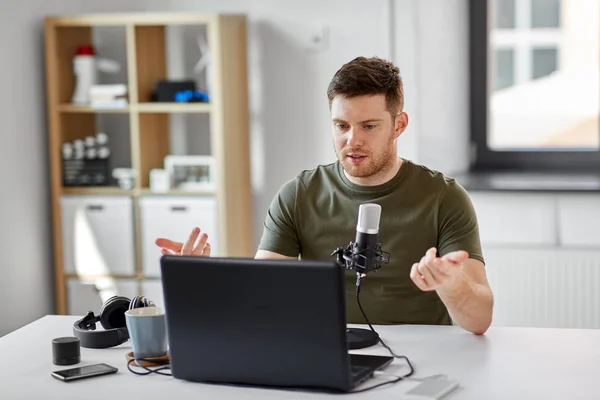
112 319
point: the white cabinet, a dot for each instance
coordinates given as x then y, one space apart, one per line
174 218
85 295
579 219
97 235
542 253
515 219
551 288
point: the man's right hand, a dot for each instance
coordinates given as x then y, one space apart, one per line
189 248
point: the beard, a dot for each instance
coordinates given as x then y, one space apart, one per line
375 163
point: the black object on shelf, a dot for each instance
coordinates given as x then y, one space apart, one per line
178 92
86 172
165 91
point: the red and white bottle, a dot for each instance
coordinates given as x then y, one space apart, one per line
86 66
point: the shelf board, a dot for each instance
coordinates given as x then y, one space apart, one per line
151 278
175 192
140 107
111 190
173 107
152 18
103 276
73 108
91 190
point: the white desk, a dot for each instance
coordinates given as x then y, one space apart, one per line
506 363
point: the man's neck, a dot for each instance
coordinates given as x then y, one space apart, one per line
380 178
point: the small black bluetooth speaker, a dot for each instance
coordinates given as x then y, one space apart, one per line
66 351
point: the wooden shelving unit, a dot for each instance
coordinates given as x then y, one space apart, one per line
149 122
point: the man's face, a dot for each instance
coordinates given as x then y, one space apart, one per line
364 134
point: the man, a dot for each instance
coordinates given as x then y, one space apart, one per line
436 273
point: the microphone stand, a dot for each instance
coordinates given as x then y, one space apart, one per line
360 338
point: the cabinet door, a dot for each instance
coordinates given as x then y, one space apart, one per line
174 218
549 288
85 295
579 217
98 235
516 219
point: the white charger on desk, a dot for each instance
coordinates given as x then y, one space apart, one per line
434 387
431 389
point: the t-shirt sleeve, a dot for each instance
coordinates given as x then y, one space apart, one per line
458 228
280 234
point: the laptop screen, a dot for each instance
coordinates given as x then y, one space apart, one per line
265 322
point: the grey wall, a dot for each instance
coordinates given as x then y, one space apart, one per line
289 113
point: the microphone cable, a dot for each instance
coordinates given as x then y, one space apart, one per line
145 364
398 378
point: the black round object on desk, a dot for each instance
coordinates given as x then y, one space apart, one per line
359 338
65 351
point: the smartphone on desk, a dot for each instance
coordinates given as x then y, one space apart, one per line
88 371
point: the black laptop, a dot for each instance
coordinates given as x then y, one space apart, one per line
279 323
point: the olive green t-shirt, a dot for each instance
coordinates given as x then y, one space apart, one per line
317 212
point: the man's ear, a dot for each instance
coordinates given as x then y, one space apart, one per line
401 122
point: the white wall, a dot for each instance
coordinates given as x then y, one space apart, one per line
442 57
427 39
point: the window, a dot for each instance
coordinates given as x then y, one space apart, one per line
535 84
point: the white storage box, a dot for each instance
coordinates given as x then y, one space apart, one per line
174 218
97 233
89 294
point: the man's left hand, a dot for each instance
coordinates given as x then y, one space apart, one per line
433 272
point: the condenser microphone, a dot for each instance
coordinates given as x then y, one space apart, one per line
362 256
367 232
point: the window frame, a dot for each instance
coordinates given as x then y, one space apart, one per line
484 158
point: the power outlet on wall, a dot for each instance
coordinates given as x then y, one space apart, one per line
316 38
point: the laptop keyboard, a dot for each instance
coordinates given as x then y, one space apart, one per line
362 366
360 373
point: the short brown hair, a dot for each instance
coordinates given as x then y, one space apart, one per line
369 76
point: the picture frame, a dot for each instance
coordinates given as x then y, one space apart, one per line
190 172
